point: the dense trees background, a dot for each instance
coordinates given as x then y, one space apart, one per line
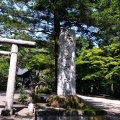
98 69
97 23
107 15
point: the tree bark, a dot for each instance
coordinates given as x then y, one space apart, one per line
56 39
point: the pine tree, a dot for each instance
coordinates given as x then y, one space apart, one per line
31 19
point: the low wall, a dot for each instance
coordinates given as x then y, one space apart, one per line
65 115
70 118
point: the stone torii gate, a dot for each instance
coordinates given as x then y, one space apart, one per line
12 69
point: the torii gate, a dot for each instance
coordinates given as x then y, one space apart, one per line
12 68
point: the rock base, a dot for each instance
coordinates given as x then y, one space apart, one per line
6 112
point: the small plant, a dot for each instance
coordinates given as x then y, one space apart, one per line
45 90
23 96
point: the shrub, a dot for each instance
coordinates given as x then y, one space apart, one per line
23 96
45 90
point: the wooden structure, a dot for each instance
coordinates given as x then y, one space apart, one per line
12 68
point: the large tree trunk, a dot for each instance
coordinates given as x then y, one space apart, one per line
56 39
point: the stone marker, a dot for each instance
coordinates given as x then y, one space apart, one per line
12 70
66 63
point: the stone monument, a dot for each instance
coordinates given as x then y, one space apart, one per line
66 63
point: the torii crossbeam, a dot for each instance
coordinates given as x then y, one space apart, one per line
12 68
5 53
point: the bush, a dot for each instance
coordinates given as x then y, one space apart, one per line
23 96
45 90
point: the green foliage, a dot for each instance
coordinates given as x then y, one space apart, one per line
4 66
23 95
27 20
42 19
82 44
40 61
49 77
100 66
107 15
45 90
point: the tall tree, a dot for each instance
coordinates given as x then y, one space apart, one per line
100 67
40 19
107 15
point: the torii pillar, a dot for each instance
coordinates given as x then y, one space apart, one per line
12 69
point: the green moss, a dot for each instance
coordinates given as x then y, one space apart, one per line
90 110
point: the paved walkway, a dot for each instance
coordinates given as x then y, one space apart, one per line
112 107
